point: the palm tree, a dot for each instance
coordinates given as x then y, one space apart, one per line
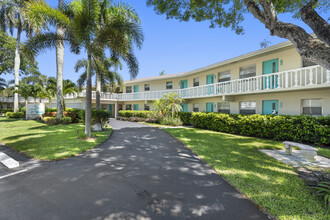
109 79
3 83
68 88
98 26
12 15
172 103
40 10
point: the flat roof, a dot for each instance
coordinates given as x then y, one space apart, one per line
219 64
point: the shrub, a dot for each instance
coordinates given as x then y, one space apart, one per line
139 114
15 115
304 129
66 120
167 120
51 120
101 115
50 110
185 117
5 110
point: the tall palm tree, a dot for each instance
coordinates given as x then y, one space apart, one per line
109 79
100 26
68 88
40 10
12 15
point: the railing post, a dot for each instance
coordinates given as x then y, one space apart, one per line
328 76
296 78
311 78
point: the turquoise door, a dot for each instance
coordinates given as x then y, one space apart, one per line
270 107
269 67
209 107
136 107
183 85
184 107
136 89
110 110
210 80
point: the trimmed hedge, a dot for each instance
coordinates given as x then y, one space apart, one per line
304 129
15 115
5 110
185 117
138 114
57 121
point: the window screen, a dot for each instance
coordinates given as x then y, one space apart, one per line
247 71
224 76
224 107
311 106
247 107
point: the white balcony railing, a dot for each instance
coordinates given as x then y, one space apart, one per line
303 78
309 77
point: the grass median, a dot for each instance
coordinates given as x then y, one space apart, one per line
39 141
273 185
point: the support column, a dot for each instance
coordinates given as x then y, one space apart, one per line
116 109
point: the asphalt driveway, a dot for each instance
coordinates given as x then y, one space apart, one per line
141 172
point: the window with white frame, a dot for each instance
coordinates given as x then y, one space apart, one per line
128 89
247 71
224 76
146 87
311 106
169 85
196 81
224 107
247 108
196 107
146 107
128 107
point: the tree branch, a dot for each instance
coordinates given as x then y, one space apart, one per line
320 26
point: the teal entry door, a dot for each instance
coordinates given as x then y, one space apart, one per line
136 89
210 80
183 85
184 107
270 107
136 107
111 110
269 67
209 107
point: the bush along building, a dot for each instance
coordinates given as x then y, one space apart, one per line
273 80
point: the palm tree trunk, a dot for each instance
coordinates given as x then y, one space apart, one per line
88 106
59 65
17 66
98 91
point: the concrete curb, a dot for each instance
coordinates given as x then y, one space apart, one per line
8 161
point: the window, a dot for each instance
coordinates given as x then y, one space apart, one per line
196 107
307 63
247 107
311 106
128 107
224 76
196 81
146 107
169 85
247 71
128 89
224 107
146 87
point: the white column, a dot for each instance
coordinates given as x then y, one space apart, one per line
328 76
116 109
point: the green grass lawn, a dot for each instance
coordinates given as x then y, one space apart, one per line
273 185
39 141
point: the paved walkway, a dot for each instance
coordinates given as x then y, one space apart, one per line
141 172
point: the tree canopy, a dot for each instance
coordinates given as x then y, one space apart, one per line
230 14
7 55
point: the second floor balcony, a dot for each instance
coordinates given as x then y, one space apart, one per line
297 79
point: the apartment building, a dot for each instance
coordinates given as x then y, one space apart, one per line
273 80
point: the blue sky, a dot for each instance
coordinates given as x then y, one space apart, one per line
175 46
